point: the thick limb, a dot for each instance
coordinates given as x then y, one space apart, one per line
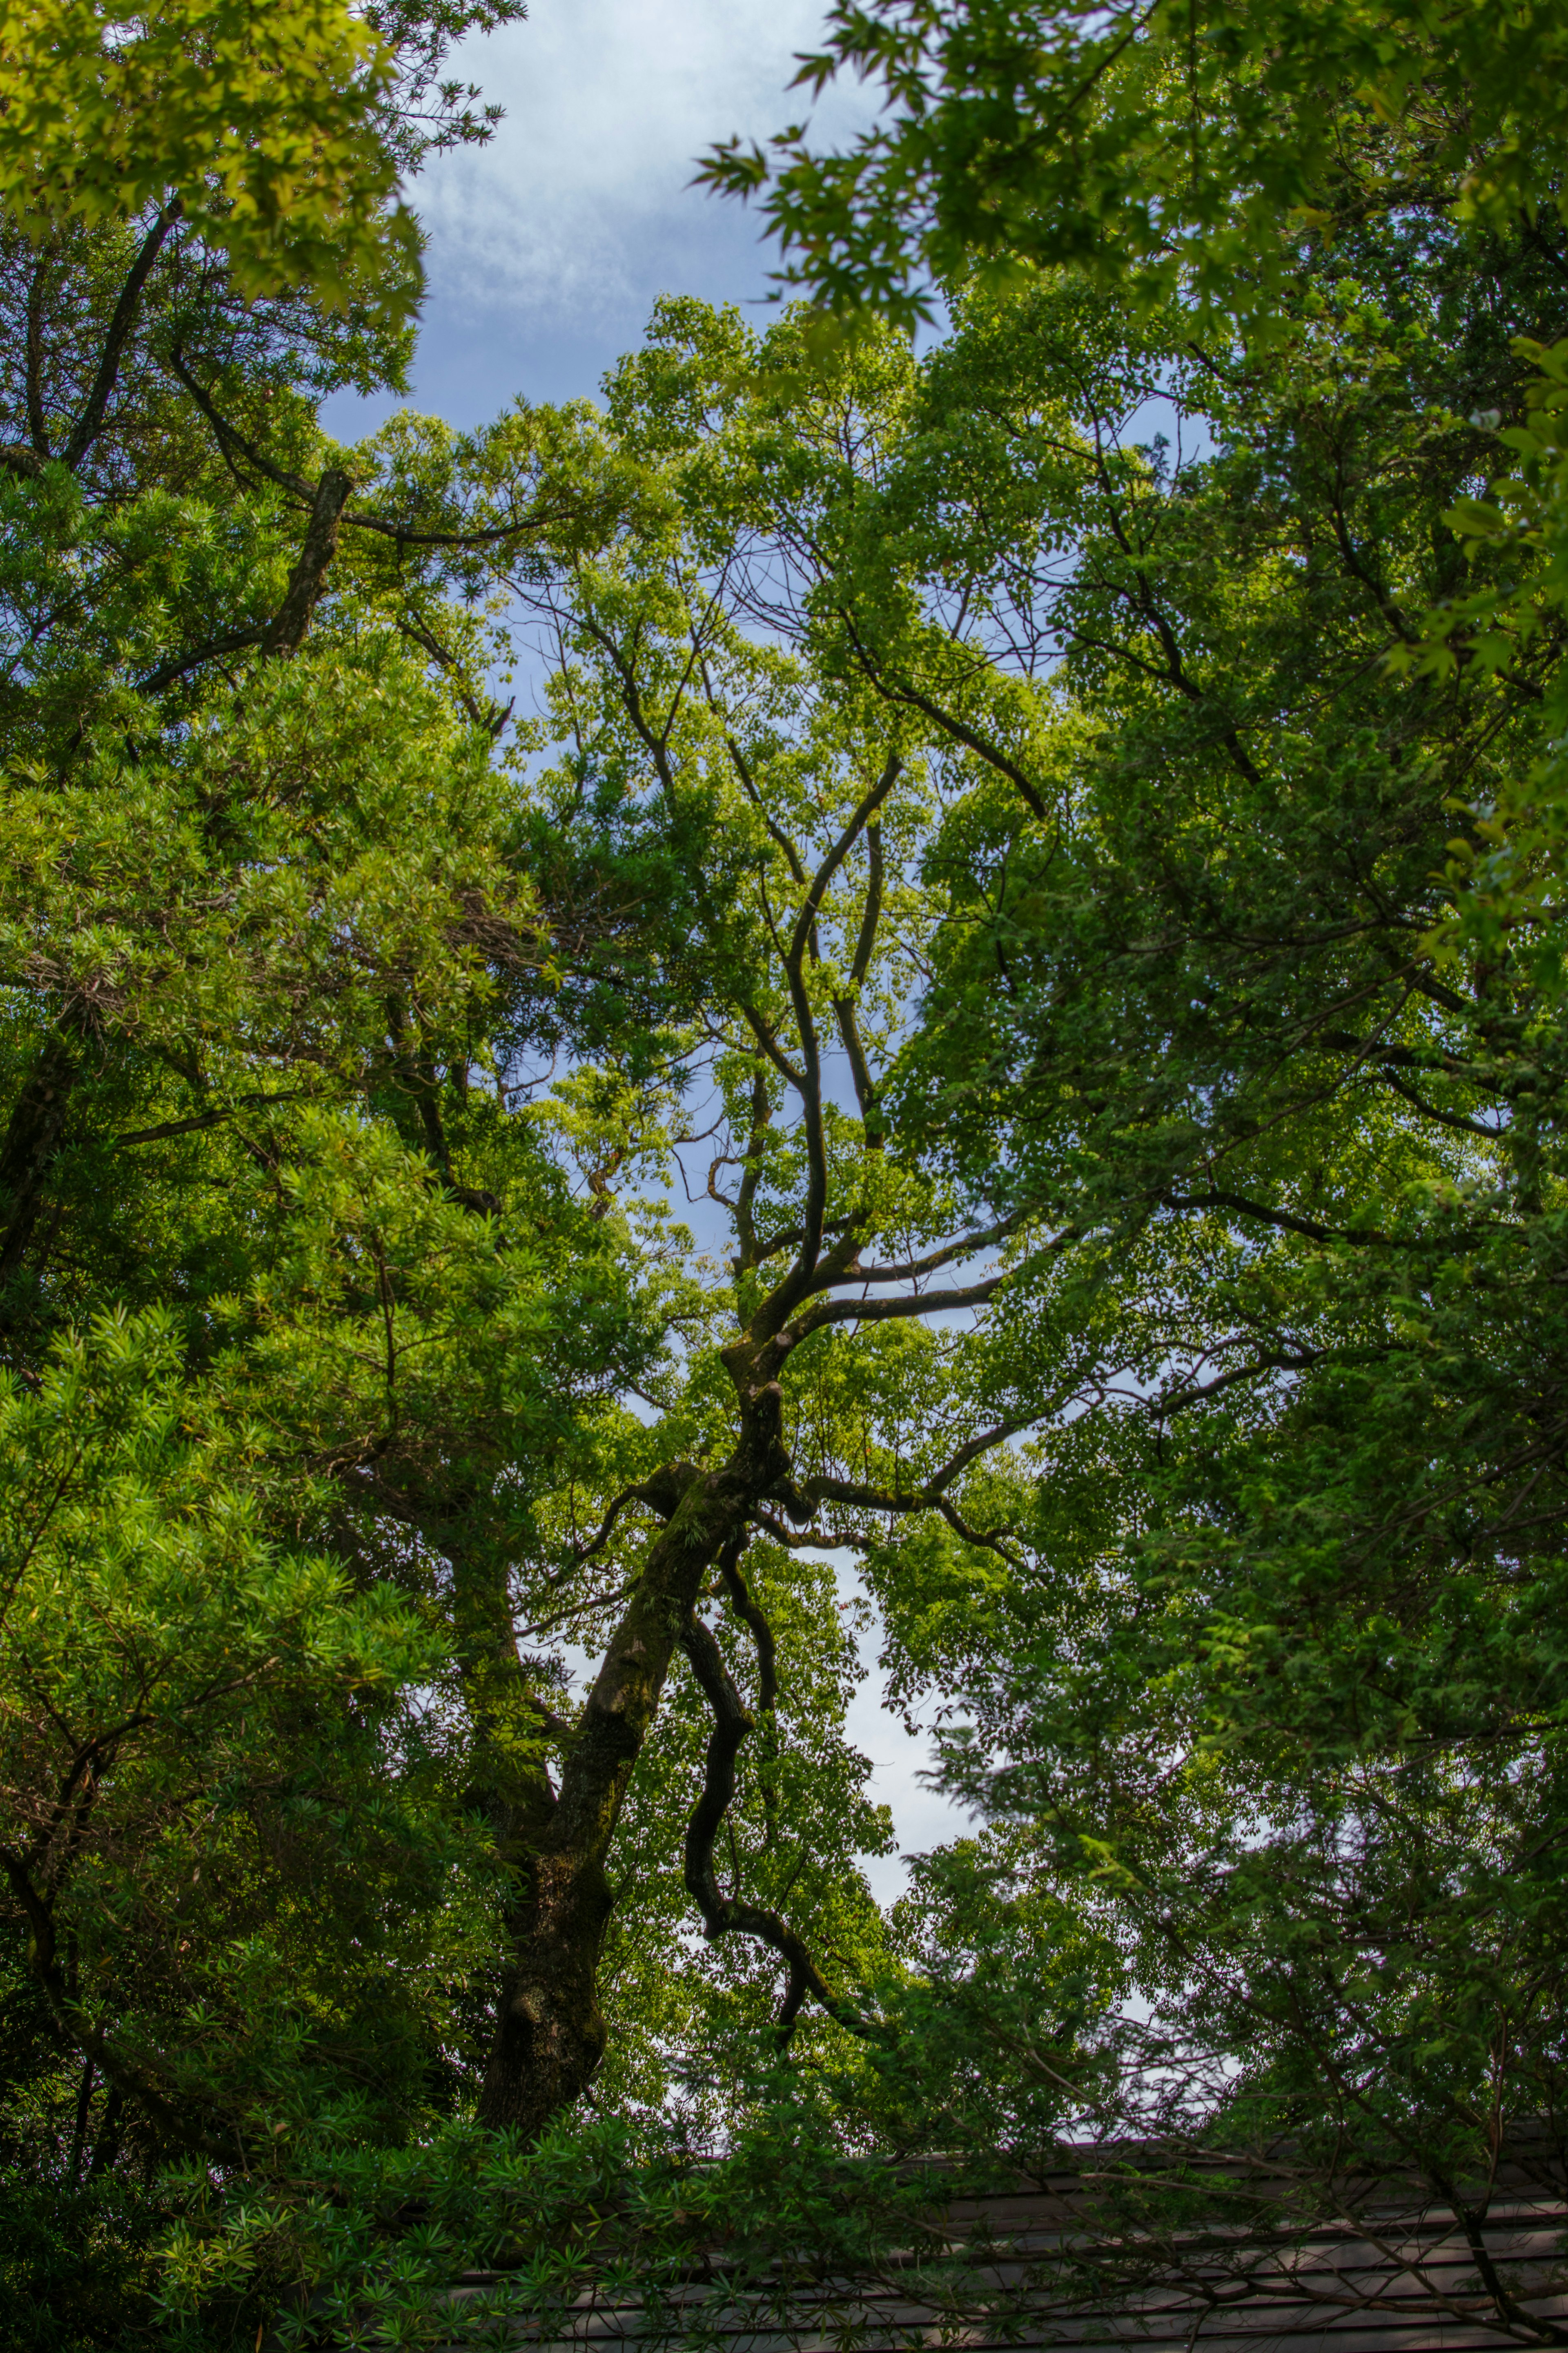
754 1619
38 288
287 632
723 1915
308 577
90 424
550 2034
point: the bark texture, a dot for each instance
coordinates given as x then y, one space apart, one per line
308 577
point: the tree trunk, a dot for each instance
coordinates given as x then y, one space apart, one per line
550 2033
31 1142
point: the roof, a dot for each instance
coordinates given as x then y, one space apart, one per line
1395 2273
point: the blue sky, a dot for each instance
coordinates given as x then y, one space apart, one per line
549 247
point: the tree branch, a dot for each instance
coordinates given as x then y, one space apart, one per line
913 698
1283 1217
123 319
492 719
754 1619
168 672
772 1049
790 1238
232 441
723 1915
287 632
31 1142
931 1496
844 1007
37 424
89 2042
776 832
751 1174
662 1493
913 1268
884 1311
201 1120
770 1317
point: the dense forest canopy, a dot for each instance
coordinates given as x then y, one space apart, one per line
1053 842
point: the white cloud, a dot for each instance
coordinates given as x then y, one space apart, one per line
583 205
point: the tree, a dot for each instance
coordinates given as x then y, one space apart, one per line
699 707
1264 995
281 138
1178 144
278 925
252 834
1091 943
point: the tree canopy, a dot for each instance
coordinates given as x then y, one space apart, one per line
1180 143
278 137
850 1001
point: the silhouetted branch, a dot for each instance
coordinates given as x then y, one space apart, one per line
724 1915
122 319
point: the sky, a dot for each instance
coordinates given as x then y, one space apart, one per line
547 250
549 247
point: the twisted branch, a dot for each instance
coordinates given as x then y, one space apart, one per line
724 1915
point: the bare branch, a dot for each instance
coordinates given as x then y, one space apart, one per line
1274 1361
583 1607
808 1539
656 744
930 1496
869 803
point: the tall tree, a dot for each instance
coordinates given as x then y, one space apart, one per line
1265 994
1086 871
258 870
1089 943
